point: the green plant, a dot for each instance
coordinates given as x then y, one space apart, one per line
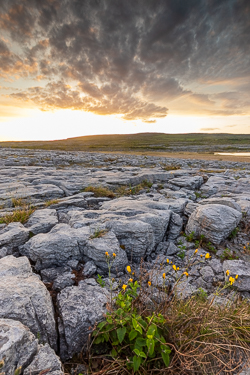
234 233
52 201
146 183
201 294
211 248
19 215
139 338
100 191
228 255
190 237
182 252
98 233
100 281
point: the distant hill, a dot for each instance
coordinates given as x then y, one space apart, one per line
199 142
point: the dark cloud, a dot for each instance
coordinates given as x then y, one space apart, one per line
128 57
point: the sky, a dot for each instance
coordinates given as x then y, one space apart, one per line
80 67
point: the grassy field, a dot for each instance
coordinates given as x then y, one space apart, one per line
142 142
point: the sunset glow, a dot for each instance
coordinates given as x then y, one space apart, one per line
73 68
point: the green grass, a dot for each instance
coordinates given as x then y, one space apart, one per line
136 142
100 191
19 215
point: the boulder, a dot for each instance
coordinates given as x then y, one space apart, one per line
18 345
25 298
96 248
42 221
55 248
45 360
80 308
214 221
135 237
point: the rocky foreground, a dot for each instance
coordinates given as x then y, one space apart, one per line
50 299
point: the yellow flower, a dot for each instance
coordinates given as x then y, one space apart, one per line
107 254
124 287
129 269
207 256
201 255
114 255
227 272
185 273
133 273
171 262
164 275
130 280
196 251
149 283
174 267
236 277
178 268
244 247
232 280
167 260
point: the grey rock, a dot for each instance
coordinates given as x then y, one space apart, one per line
216 265
159 223
223 201
188 182
175 226
25 298
55 248
96 248
13 236
190 208
45 359
185 289
172 249
50 274
64 280
80 308
241 268
18 345
214 221
89 269
207 274
3 252
42 221
136 237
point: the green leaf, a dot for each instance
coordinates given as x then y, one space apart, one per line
98 340
101 325
114 352
143 355
136 363
151 346
137 352
166 359
140 342
132 334
121 332
151 330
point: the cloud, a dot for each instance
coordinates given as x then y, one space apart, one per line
134 58
209 129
